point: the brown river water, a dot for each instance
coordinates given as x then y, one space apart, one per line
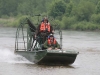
86 63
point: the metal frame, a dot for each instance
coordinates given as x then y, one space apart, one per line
27 42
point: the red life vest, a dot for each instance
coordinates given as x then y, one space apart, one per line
49 42
43 27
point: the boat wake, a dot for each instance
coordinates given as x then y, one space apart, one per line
8 56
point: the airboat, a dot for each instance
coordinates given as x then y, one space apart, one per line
30 48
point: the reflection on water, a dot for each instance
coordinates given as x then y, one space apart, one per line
87 62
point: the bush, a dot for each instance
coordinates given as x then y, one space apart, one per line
6 22
5 17
68 21
18 21
95 18
85 26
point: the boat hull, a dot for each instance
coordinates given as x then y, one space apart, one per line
32 56
58 58
50 57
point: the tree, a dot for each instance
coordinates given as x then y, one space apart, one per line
24 8
7 7
32 7
84 10
95 18
66 1
69 9
98 8
57 9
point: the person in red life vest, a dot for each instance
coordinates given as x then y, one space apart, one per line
51 43
44 29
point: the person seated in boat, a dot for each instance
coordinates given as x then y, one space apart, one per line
44 29
51 43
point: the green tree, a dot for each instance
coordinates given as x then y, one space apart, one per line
69 8
8 7
25 8
68 21
32 7
57 9
95 18
98 7
66 1
84 10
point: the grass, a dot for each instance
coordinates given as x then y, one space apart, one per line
6 22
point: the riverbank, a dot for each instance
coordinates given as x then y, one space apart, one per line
6 22
11 21
80 26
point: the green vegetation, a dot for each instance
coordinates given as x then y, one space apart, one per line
69 14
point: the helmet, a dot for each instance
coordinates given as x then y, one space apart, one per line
51 35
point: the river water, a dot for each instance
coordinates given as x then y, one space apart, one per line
86 63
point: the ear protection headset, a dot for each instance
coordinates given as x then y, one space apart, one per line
51 35
44 19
